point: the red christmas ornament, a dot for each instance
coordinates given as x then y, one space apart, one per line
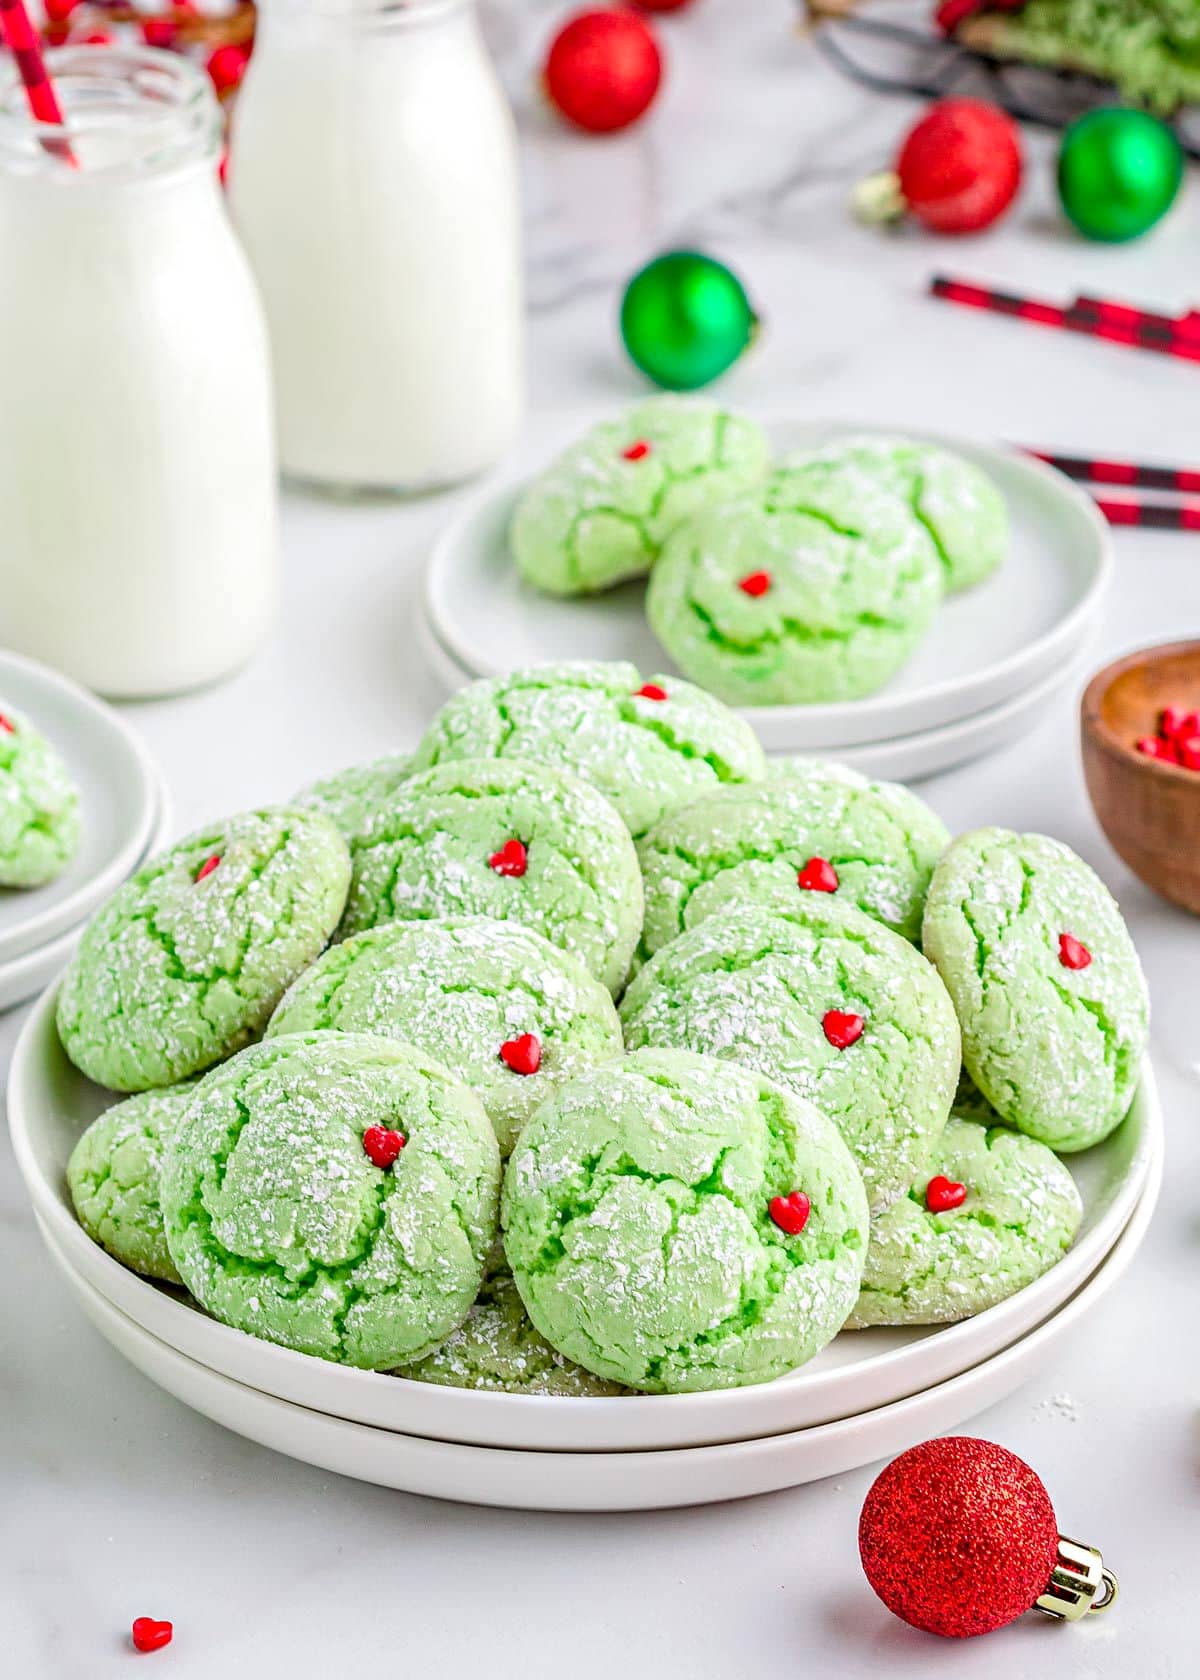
951 13
522 1055
603 70
958 1536
149 1635
958 170
382 1146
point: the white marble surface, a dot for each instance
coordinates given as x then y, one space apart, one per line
116 1501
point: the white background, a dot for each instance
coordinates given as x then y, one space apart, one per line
116 1501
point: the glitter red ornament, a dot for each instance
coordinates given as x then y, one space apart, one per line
958 1536
958 170
603 70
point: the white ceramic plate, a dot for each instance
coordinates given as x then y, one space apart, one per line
49 1103
904 757
118 788
24 976
986 645
626 1481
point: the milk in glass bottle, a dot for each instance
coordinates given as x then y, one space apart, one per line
373 178
138 545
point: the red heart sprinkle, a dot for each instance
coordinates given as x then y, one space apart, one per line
1188 749
650 691
511 859
1157 746
790 1213
381 1146
842 1029
755 583
818 875
1071 953
149 1635
6 726
522 1055
942 1194
207 867
636 451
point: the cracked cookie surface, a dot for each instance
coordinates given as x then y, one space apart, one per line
428 855
351 797
600 512
282 1226
648 755
1020 1215
748 845
1055 1049
754 987
637 1224
957 503
460 989
186 962
39 805
113 1179
847 577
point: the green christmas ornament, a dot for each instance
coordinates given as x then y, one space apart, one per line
1118 172
685 318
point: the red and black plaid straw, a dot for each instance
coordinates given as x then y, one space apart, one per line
26 49
1133 475
1157 516
1095 317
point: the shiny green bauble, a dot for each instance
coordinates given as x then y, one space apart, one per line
1118 172
685 318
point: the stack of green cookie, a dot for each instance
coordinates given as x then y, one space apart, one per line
812 580
832 1095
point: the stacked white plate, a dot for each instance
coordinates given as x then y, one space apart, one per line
995 658
867 1395
125 818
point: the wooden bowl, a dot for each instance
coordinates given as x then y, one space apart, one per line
1149 810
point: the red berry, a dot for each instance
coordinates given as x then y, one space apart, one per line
207 867
942 1194
818 875
636 451
603 70
5 726
226 67
790 1213
149 1635
381 1146
512 859
842 1029
651 691
1188 749
1072 953
1157 746
522 1055
755 583
960 167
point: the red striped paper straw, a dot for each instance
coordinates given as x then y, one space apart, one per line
1157 516
26 49
1135 475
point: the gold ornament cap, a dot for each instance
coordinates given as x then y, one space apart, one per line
1078 1584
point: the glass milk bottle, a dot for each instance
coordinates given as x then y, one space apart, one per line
373 178
138 547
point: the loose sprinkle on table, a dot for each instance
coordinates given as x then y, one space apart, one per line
149 1635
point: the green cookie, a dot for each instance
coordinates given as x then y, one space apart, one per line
465 990
830 1003
956 502
817 588
185 963
515 841
600 512
113 1179
350 798
753 845
638 1223
1020 1216
39 806
1047 985
282 1225
496 1347
649 754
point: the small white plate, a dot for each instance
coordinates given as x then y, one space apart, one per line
623 1481
49 1103
986 644
118 789
24 976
